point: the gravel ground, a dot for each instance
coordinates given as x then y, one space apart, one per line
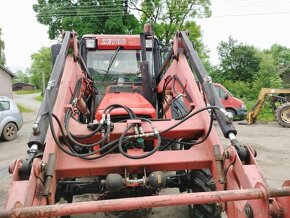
270 141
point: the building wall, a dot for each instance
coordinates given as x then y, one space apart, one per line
5 84
27 88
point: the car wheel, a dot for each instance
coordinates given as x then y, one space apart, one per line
9 132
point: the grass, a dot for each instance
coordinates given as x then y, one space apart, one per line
39 98
23 108
26 92
266 114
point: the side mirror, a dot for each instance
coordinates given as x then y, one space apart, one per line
226 97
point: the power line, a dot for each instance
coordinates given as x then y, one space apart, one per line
114 14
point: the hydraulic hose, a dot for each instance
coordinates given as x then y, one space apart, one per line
80 144
121 140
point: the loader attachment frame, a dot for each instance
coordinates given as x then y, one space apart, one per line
241 188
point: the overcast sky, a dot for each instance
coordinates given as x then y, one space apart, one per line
23 35
256 22
261 23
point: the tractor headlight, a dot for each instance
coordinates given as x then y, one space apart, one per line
244 107
90 43
149 43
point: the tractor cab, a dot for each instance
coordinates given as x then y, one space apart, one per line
122 67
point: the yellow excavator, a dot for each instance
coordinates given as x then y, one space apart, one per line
276 96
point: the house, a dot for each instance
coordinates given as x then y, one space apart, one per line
6 82
22 86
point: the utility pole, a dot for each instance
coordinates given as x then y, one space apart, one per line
43 82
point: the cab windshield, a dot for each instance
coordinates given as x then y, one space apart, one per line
114 65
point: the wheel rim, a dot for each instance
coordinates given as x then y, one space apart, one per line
10 131
285 115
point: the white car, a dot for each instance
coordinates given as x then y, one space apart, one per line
10 119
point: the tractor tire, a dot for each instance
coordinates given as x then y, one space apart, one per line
202 182
9 132
283 115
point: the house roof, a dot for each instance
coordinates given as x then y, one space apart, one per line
7 71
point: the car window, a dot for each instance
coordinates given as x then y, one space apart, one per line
4 105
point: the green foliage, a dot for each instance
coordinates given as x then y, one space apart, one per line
22 77
266 114
281 57
2 46
23 108
268 73
84 17
23 92
41 63
169 16
238 62
244 70
39 98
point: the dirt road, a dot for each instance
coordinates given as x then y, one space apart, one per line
270 140
28 101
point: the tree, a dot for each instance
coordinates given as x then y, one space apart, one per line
2 46
169 16
22 76
238 62
41 64
86 16
281 57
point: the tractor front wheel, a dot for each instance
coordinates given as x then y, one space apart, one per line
283 115
202 181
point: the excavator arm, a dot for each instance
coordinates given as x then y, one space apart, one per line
255 110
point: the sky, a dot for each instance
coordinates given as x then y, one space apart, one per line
22 34
261 23
255 22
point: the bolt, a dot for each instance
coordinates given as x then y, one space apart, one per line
42 166
248 211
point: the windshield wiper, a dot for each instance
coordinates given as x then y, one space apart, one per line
111 62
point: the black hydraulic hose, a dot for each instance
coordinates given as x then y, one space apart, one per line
83 156
80 144
82 136
176 141
162 148
121 140
197 142
110 108
72 153
106 152
189 116
113 106
183 116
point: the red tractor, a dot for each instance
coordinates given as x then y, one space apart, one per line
120 121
